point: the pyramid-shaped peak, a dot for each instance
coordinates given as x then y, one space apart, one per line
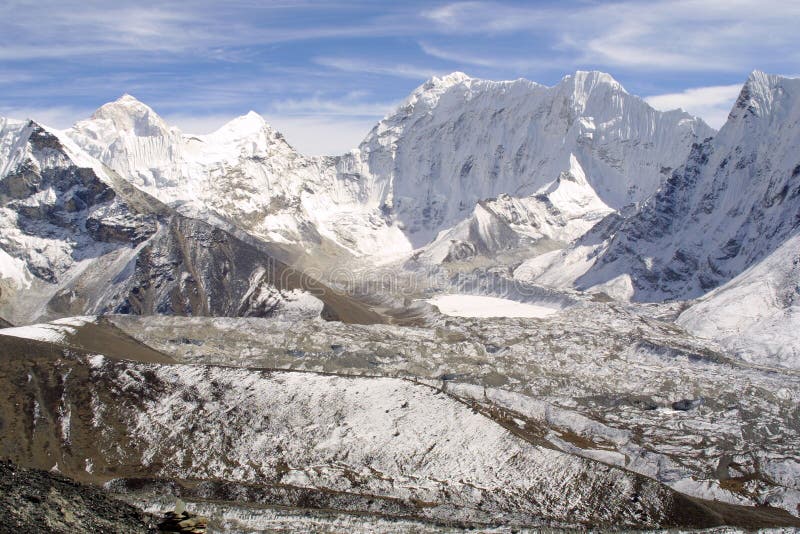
131 115
761 78
127 97
589 79
761 93
762 82
125 102
430 91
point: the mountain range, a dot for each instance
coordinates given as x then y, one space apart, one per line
580 185
643 243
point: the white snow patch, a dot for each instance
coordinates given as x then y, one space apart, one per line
619 288
482 306
14 269
41 332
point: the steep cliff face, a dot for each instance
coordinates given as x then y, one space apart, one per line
458 140
58 217
735 201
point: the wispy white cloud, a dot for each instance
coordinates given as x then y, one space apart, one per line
11 78
494 62
59 117
199 62
399 70
203 28
487 17
712 104
684 35
320 106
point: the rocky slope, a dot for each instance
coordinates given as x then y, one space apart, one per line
596 379
33 501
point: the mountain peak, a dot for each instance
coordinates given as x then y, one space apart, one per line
762 93
243 126
439 84
131 115
758 77
454 78
430 91
588 80
126 101
127 97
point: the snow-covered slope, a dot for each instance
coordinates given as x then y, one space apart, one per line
757 314
735 201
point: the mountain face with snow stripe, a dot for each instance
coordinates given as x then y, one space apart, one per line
736 200
553 218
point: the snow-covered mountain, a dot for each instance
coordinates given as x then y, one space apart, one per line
585 411
76 238
729 217
244 174
463 168
422 170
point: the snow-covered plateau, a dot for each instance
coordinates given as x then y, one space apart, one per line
512 306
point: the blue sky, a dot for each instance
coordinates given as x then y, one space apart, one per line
325 72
